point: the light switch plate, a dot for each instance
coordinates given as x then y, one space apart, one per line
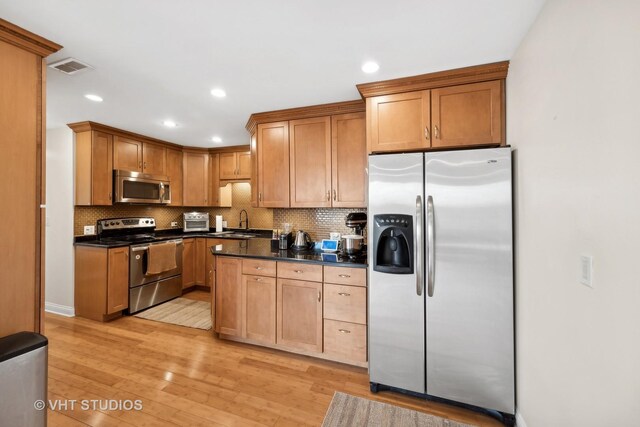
174 223
586 270
89 229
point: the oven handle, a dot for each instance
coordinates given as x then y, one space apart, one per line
144 248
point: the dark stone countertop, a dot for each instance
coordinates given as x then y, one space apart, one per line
261 248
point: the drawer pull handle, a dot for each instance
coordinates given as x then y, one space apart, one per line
344 276
258 268
258 279
344 294
298 271
344 331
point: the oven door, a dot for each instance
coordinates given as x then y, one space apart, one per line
135 187
138 260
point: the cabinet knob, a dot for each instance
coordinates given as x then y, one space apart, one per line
298 271
258 268
344 294
145 165
437 132
258 279
328 195
259 196
344 331
426 132
109 195
319 296
335 195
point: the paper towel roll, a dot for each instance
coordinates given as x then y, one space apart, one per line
218 223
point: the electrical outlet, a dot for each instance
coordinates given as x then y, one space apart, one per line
586 270
174 223
89 229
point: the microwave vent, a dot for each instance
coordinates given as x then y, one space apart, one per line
70 66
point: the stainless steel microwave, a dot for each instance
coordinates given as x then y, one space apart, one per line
136 187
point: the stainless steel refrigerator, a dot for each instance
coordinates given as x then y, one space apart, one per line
441 275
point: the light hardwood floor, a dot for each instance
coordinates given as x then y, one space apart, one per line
185 376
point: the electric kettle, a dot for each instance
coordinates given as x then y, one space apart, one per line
302 241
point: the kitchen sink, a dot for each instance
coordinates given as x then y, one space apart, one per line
232 235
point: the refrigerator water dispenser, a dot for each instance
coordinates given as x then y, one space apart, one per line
393 244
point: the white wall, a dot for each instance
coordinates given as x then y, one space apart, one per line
59 229
573 95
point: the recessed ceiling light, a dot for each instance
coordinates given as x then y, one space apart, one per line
170 123
216 139
370 67
218 93
94 98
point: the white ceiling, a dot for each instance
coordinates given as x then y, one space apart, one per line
159 59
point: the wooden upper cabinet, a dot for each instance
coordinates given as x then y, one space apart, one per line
399 122
310 162
254 169
214 179
118 280
127 154
235 166
273 165
228 296
154 159
348 160
94 169
467 115
196 177
174 172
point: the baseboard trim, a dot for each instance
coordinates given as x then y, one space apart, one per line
60 309
519 420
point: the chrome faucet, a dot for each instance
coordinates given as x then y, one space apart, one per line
246 219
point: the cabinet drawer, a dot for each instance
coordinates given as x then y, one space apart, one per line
345 340
345 275
300 271
259 267
345 303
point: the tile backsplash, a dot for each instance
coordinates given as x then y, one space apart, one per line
317 222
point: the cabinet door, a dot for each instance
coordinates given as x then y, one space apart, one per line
188 263
154 159
118 280
228 168
348 160
243 165
196 174
467 115
259 308
399 122
201 258
229 296
310 160
273 165
254 170
174 172
214 179
127 154
101 168
299 314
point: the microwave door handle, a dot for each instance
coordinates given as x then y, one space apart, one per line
161 192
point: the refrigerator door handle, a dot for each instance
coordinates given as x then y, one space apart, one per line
431 237
418 244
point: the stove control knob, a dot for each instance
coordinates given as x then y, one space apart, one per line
113 223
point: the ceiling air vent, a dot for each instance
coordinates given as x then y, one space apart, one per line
70 66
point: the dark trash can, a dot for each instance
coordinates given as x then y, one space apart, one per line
23 380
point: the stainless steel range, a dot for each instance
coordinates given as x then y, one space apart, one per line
145 289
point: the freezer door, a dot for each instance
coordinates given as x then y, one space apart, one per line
470 347
396 310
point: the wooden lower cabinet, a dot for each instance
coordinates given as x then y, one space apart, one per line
228 291
299 314
188 263
259 308
101 282
345 341
201 258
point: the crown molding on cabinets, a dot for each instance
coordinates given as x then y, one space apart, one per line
334 108
458 76
26 40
